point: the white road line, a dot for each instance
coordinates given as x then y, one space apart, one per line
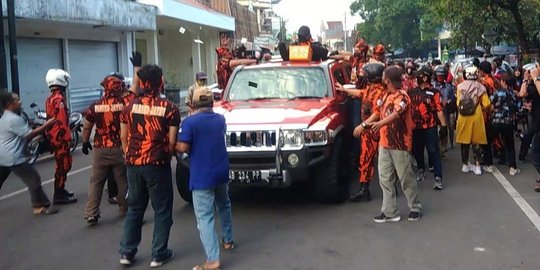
43 183
520 201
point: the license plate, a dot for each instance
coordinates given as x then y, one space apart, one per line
245 177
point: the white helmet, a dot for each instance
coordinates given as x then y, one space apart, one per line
57 77
471 73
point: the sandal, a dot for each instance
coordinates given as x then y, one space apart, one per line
45 211
227 246
205 266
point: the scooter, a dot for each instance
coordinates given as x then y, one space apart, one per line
40 144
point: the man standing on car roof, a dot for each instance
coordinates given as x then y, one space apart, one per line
226 62
59 134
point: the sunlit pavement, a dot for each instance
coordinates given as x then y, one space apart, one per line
475 223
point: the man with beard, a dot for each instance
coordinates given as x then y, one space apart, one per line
14 136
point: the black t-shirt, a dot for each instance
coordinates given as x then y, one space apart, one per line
534 97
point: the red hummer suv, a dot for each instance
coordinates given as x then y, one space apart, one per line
286 124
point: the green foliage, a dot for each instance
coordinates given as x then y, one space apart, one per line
408 23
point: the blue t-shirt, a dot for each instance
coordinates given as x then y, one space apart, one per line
208 158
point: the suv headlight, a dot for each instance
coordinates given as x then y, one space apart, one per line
292 139
315 137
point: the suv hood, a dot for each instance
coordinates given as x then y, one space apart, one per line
301 113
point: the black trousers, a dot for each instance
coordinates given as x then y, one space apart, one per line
506 132
31 179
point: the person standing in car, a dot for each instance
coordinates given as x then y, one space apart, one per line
59 134
200 81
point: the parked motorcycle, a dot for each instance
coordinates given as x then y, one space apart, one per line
40 144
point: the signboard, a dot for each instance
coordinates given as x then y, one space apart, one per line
512 60
266 42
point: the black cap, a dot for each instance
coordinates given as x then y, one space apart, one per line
424 71
201 76
304 33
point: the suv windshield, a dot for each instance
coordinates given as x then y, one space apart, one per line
278 83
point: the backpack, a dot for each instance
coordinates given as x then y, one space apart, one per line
467 105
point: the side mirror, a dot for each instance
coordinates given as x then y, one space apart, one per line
33 105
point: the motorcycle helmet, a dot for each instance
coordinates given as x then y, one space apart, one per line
120 76
471 73
441 73
374 72
57 77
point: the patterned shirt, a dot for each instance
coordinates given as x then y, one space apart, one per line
105 114
224 70
425 105
129 97
370 97
408 83
148 120
396 135
55 107
504 107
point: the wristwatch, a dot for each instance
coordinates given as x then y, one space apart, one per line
537 79
364 125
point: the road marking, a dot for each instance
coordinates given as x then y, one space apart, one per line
43 183
50 156
520 201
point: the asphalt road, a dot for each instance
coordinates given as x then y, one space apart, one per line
473 224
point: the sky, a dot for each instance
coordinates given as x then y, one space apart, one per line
313 12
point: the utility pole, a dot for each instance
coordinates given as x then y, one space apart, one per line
3 66
345 30
13 47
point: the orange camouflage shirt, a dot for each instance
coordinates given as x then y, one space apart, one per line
396 135
425 105
105 114
370 96
148 120
55 107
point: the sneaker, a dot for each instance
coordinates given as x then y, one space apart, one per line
92 220
382 218
420 176
514 171
126 260
477 170
537 188
488 168
414 216
62 196
155 263
431 169
465 168
113 200
438 184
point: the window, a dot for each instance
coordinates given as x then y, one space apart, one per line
278 83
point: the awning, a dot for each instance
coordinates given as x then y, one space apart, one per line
119 14
194 13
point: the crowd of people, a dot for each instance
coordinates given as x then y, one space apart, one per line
403 110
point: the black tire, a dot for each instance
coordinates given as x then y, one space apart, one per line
74 140
332 177
182 181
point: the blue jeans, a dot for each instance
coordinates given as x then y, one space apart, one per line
427 138
204 202
148 182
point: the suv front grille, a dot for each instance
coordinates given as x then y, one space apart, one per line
251 139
